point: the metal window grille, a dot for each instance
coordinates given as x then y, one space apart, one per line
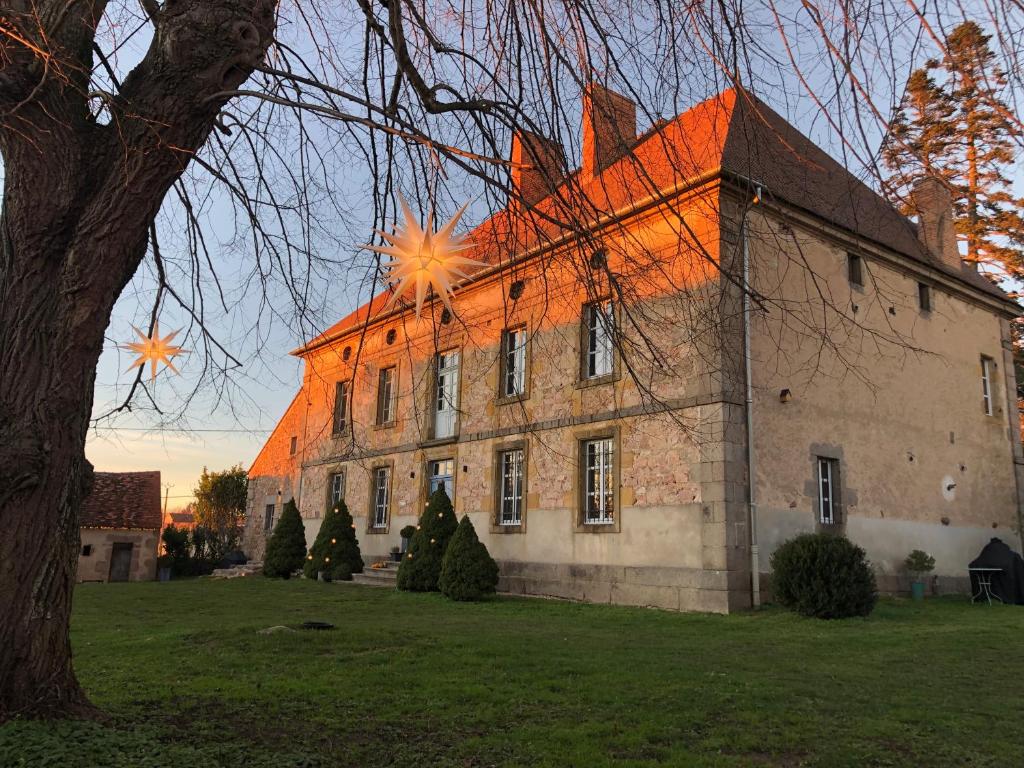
381 496
337 487
599 339
341 406
599 500
511 487
827 477
986 385
440 474
515 362
386 396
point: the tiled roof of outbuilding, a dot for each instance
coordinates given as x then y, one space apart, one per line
123 500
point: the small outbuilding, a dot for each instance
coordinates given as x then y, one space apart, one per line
120 527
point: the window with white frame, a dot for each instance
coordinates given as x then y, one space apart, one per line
386 396
381 496
340 407
513 357
446 393
828 490
986 385
268 517
337 487
599 324
598 481
510 467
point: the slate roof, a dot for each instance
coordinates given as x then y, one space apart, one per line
123 500
731 134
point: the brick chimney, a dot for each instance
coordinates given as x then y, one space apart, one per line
609 129
537 167
933 203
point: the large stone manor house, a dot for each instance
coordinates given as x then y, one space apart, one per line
865 386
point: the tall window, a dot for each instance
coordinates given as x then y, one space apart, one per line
293 445
828 479
340 407
510 465
381 496
268 517
446 393
386 395
598 481
924 297
599 323
513 360
337 487
855 269
986 385
441 474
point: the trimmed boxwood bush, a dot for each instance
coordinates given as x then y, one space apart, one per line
824 576
468 572
336 550
421 566
286 549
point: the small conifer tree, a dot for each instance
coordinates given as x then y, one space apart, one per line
468 572
336 550
286 549
421 566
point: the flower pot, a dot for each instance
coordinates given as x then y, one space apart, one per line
321 576
164 574
917 590
396 557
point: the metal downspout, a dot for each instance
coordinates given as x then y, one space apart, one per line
755 570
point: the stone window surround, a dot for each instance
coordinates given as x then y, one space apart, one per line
448 450
455 346
395 365
580 437
582 380
501 398
497 450
371 508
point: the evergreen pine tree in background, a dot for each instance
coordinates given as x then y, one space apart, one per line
336 549
962 131
421 566
468 572
286 549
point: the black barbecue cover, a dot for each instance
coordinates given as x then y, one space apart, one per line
1008 583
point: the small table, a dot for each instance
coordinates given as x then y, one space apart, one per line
985 584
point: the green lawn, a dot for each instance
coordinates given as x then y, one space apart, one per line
416 680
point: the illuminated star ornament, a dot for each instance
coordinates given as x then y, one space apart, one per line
424 258
154 350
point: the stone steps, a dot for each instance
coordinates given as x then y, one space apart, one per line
236 571
377 577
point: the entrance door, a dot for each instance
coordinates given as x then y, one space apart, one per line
120 562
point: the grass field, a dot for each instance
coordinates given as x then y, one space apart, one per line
415 680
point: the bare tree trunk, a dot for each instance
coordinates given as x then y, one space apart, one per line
79 198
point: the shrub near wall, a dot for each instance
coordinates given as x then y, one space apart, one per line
335 552
823 576
468 572
286 549
421 566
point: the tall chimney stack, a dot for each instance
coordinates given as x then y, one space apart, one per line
609 129
933 203
537 165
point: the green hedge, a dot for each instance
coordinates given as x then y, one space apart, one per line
823 576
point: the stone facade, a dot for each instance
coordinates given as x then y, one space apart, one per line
97 553
676 419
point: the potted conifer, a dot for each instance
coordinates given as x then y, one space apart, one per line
919 563
407 533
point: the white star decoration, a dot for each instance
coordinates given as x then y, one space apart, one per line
424 258
153 349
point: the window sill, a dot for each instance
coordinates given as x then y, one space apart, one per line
511 399
597 381
378 529
438 441
503 529
386 425
610 527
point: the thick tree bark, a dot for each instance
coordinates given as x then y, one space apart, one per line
79 198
